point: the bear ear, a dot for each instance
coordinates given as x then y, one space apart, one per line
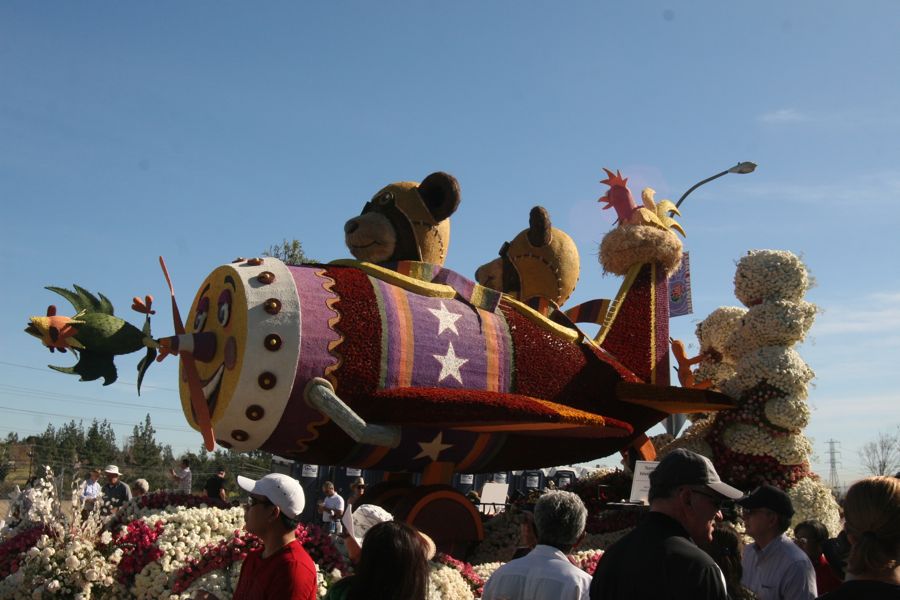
440 191
539 227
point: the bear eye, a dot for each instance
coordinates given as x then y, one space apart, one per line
224 312
202 313
385 199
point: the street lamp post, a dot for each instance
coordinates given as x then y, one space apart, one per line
741 168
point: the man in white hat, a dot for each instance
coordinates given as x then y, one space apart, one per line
282 568
115 492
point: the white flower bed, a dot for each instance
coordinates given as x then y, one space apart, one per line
812 500
777 365
788 413
769 275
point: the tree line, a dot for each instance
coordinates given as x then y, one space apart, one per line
72 450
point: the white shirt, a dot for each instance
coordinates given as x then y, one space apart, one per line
333 502
90 490
543 574
780 571
184 480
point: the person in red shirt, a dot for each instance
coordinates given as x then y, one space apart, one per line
811 536
281 569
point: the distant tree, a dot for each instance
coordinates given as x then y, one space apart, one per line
100 447
290 252
144 457
882 456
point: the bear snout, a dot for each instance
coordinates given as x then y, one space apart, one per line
350 226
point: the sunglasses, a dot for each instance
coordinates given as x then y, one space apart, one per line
717 501
251 501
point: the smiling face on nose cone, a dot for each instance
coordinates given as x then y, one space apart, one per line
252 308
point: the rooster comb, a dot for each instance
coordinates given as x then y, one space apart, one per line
614 179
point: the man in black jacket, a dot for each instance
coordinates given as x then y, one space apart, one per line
659 559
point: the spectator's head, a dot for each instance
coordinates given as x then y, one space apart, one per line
872 523
94 474
112 473
685 486
767 513
559 519
358 486
328 488
220 471
275 503
141 487
725 549
393 561
185 463
811 536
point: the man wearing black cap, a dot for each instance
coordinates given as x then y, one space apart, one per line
774 567
660 558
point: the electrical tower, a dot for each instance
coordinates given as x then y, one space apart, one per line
833 453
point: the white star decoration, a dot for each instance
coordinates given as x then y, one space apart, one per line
446 319
450 364
433 448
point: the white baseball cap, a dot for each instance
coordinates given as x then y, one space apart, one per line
283 491
367 516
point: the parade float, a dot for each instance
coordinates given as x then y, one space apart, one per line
392 361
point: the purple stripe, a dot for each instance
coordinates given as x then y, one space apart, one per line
392 324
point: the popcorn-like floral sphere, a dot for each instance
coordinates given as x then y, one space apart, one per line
715 330
769 275
778 366
777 323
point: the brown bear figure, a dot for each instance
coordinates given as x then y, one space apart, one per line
405 221
541 262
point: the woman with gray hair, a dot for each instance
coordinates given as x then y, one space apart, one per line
141 487
545 573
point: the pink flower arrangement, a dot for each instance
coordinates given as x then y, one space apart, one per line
214 557
465 569
321 548
138 545
223 555
12 550
587 560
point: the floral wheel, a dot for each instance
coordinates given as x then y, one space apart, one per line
448 517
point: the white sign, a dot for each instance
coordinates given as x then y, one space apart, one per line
640 485
354 472
493 498
499 477
531 482
466 479
309 471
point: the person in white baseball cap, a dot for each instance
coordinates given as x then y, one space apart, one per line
281 568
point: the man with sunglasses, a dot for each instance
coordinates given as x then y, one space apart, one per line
774 567
660 557
281 569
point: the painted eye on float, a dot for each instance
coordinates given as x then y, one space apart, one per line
202 313
224 311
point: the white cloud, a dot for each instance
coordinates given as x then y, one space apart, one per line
875 313
784 115
879 188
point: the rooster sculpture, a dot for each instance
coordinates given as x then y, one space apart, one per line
652 213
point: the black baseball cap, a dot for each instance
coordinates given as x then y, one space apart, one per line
683 467
771 497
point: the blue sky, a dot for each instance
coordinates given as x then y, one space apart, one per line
207 130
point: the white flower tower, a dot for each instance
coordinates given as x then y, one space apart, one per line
762 441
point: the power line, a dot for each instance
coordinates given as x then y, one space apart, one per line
81 418
21 391
121 381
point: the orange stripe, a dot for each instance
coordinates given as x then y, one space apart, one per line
378 453
404 337
492 384
477 449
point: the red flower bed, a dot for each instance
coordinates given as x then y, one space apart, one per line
138 544
475 582
12 550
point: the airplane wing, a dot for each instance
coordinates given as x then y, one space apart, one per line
496 412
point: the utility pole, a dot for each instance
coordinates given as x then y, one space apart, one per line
833 453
